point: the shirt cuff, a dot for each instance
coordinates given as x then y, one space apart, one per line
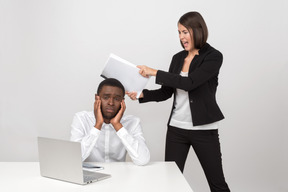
94 131
122 132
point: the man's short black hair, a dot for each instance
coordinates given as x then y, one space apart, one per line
111 82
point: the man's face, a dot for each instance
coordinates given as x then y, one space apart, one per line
111 98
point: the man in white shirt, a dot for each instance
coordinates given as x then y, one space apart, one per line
106 135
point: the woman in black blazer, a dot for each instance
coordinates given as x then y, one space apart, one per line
195 115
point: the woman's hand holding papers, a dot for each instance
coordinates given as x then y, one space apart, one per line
146 71
133 95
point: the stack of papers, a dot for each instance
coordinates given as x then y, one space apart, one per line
126 72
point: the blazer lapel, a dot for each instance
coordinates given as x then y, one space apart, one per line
181 63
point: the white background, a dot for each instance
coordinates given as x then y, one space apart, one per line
53 51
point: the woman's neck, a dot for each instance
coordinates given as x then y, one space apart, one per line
193 52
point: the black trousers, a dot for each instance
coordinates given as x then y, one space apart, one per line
207 148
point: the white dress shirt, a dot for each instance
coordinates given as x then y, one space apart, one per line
107 145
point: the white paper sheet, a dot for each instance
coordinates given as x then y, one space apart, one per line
126 72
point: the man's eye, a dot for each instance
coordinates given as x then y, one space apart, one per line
105 97
117 99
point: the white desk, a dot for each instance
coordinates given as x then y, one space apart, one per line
126 177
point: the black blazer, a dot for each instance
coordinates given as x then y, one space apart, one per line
201 84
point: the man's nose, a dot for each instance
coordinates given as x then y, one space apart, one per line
111 101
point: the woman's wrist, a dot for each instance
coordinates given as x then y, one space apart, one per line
155 72
141 95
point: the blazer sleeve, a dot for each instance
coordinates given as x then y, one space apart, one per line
162 94
207 69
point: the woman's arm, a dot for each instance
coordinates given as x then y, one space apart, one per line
206 70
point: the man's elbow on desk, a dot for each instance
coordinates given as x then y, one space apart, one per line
142 161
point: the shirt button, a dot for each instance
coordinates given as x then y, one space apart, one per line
191 101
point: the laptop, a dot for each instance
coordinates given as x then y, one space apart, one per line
62 160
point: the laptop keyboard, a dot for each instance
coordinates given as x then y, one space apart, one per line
88 176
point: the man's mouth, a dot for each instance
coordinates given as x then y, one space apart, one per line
109 110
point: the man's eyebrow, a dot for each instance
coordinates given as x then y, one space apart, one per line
107 94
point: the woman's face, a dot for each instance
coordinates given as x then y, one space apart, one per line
185 37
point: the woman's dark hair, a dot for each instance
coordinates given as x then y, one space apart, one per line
111 82
195 22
